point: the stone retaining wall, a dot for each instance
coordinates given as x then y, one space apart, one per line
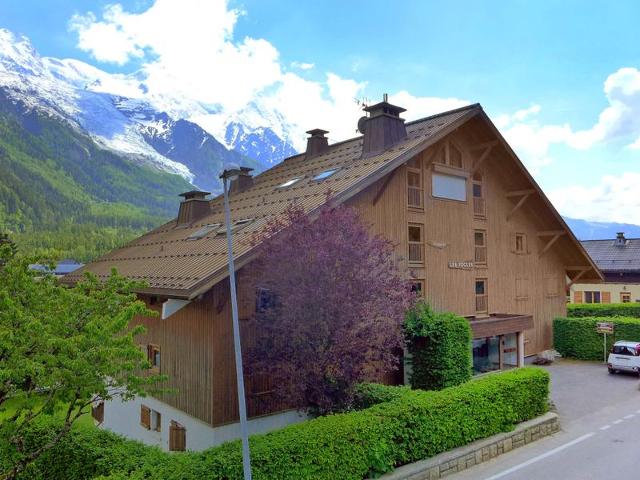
479 451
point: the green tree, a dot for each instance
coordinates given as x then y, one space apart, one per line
62 350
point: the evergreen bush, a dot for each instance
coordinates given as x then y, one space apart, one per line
603 310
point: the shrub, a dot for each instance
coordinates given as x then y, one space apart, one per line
578 338
413 426
440 348
603 310
370 394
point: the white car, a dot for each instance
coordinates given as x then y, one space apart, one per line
624 356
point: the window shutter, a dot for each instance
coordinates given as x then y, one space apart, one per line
177 437
97 412
606 297
145 417
577 297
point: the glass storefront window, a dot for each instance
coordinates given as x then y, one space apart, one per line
486 354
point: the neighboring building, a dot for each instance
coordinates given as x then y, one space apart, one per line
473 230
619 261
61 269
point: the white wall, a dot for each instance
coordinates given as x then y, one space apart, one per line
614 288
124 418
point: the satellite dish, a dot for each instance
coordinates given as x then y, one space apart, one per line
362 124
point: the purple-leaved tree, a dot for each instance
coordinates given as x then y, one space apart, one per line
331 307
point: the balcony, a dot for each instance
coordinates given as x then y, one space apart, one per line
499 324
414 197
480 255
482 303
479 207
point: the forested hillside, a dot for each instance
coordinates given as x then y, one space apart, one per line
59 190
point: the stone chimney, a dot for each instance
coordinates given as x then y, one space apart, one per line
383 128
194 206
317 143
244 181
620 240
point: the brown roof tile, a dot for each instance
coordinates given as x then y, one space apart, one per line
173 265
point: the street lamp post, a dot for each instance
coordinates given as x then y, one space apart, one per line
227 176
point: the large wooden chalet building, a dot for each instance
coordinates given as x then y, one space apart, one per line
473 230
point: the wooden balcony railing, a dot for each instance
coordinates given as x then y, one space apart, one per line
482 303
415 252
479 207
414 195
481 255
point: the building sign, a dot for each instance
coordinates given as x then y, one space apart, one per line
461 265
604 327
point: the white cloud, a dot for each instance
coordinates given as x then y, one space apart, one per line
189 56
303 65
613 199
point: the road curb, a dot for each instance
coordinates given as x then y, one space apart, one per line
477 452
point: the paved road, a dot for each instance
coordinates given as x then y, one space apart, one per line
600 437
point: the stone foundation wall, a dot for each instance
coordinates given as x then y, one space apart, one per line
480 451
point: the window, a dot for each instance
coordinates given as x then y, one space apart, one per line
482 300
153 355
237 225
290 182
265 299
416 242
624 350
520 243
204 231
414 184
479 206
625 297
449 187
592 297
324 175
417 287
150 419
480 242
177 437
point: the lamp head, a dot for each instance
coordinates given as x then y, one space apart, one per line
231 172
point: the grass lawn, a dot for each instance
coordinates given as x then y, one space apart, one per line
10 406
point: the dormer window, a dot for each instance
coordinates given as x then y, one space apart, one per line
290 182
324 175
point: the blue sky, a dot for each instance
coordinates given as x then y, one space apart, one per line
538 67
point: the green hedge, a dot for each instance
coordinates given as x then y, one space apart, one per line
577 337
440 348
603 310
370 394
413 426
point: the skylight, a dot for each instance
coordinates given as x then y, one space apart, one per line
290 182
208 228
326 174
237 225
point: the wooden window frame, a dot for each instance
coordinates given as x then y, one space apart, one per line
419 190
479 203
480 251
420 283
445 151
417 246
591 294
479 297
524 244
177 437
624 295
145 417
152 349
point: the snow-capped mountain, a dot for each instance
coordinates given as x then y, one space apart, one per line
116 112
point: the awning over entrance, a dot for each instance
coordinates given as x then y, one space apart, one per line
499 324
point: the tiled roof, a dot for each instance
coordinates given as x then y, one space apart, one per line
612 257
174 265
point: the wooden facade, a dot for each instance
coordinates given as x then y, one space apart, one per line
473 232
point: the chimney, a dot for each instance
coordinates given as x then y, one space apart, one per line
317 143
244 181
383 128
193 207
620 240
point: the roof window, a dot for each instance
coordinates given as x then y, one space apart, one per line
204 231
237 225
324 175
290 182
